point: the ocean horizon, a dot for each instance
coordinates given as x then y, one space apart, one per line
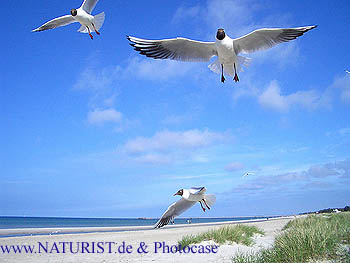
15 222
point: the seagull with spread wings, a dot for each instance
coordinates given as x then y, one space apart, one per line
224 47
189 198
89 23
247 173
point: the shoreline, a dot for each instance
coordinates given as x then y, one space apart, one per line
23 232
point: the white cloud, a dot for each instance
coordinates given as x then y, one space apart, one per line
172 146
99 116
342 85
102 86
322 171
272 98
170 140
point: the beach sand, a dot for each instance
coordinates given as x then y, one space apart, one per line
107 250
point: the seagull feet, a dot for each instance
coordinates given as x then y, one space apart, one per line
91 36
203 209
236 79
98 33
222 78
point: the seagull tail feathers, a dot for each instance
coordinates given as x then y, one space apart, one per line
99 20
215 66
210 199
242 61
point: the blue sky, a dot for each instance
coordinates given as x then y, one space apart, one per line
93 129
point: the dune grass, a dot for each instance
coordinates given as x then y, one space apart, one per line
241 234
316 237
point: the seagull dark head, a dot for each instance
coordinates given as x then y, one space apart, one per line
180 192
73 12
220 35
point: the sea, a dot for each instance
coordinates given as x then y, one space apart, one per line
13 222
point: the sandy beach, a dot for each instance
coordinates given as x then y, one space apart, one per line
131 244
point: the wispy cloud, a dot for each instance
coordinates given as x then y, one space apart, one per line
213 14
155 69
169 140
315 176
99 80
102 85
170 146
98 116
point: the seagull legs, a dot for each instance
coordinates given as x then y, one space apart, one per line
202 206
89 32
98 33
236 79
222 73
206 204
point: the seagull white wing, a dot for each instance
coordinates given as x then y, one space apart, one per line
197 190
182 49
57 22
89 5
173 211
267 37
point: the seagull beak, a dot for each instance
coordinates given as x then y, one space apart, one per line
176 194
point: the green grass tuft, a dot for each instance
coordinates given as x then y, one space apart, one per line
316 237
239 233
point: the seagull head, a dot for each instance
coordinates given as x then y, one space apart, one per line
220 35
73 12
180 192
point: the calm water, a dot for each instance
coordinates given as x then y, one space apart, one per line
53 222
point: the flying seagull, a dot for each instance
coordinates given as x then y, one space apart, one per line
224 47
248 173
189 198
82 15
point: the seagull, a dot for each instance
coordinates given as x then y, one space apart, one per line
224 47
82 15
248 173
189 198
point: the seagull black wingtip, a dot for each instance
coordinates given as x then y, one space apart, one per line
312 27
